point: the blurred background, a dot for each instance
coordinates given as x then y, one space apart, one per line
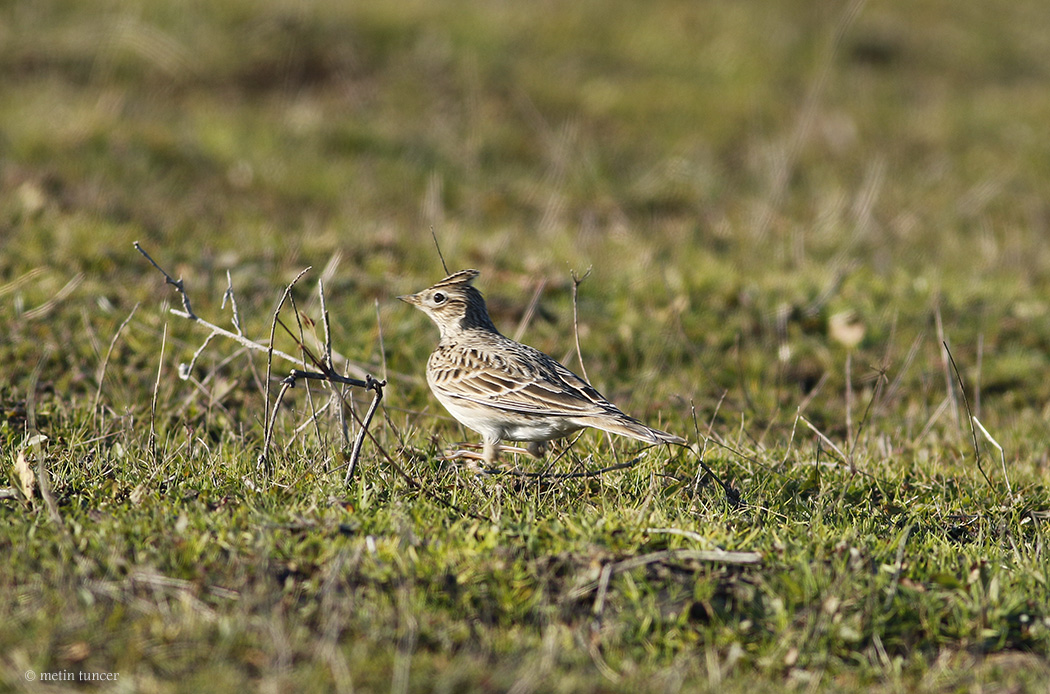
741 176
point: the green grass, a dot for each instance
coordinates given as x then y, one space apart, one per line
739 177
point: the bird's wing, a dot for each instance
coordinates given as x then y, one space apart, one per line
524 381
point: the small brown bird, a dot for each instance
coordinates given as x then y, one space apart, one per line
505 390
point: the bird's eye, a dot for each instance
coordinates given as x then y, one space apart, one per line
439 298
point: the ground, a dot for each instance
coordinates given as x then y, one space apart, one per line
817 242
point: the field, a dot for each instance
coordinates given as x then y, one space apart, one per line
818 244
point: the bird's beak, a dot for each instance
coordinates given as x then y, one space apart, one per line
410 299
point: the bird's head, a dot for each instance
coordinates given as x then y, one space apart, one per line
453 304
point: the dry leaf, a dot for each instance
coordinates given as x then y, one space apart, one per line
26 478
75 652
846 328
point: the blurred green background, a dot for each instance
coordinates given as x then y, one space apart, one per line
731 162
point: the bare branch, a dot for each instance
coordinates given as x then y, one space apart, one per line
326 370
228 294
355 453
216 330
177 283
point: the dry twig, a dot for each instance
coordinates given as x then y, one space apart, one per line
325 369
969 415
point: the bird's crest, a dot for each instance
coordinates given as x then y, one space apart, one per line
461 278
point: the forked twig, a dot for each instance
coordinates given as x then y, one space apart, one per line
368 384
326 371
329 375
188 313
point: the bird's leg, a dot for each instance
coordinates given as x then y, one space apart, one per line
492 448
463 453
491 451
489 454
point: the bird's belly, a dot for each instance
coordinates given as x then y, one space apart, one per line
540 429
507 426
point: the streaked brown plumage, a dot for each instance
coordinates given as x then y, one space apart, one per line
503 389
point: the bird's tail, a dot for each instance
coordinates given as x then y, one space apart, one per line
632 428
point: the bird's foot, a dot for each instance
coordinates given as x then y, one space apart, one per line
475 453
470 450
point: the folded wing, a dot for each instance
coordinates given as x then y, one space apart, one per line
522 383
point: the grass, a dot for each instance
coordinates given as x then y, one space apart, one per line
743 179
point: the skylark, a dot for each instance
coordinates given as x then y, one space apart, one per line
505 390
